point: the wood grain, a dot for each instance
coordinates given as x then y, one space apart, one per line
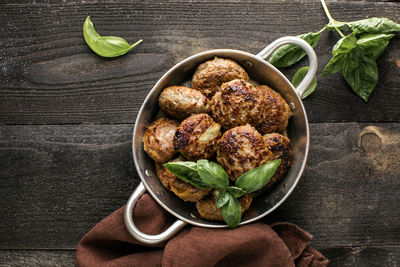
48 75
348 256
59 181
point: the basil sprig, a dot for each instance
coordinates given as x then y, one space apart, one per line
299 76
208 174
353 55
105 46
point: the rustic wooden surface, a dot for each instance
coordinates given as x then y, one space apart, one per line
66 117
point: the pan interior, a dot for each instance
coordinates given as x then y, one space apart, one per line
260 72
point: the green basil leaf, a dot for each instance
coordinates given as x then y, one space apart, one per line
222 199
334 65
212 174
334 23
105 46
345 44
288 55
187 171
256 178
374 25
374 43
235 191
232 212
299 76
361 73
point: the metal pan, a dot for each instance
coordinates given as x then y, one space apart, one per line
261 72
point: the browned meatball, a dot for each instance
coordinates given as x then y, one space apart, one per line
208 210
158 139
276 113
181 102
280 147
237 103
242 149
197 136
182 189
209 75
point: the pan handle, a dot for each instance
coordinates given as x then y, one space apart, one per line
312 57
136 233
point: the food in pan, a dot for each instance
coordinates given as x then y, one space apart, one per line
245 160
276 111
238 103
209 75
158 139
181 102
208 209
197 136
281 149
241 149
182 189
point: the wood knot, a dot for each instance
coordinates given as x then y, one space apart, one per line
397 60
370 140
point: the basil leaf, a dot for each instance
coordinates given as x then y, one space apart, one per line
105 46
334 23
212 174
232 212
299 76
374 43
374 25
222 199
345 44
187 171
361 73
256 178
334 65
288 55
235 191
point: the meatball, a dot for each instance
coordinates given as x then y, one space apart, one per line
280 147
276 112
158 139
209 75
181 102
237 103
242 149
197 136
208 210
182 189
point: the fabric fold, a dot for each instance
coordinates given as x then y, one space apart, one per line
256 244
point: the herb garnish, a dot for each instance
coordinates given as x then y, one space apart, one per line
208 174
354 55
105 46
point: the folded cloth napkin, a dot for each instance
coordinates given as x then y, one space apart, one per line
256 244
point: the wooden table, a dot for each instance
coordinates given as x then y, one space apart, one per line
67 116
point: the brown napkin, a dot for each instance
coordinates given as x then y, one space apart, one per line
257 244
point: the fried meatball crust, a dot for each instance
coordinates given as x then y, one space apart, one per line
180 188
280 147
180 102
197 136
208 210
238 103
209 75
158 139
276 112
242 149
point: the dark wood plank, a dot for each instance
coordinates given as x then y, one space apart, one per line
37 258
48 75
59 181
350 256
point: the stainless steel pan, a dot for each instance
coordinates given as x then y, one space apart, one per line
260 72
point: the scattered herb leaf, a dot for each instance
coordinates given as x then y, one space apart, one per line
105 46
299 76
